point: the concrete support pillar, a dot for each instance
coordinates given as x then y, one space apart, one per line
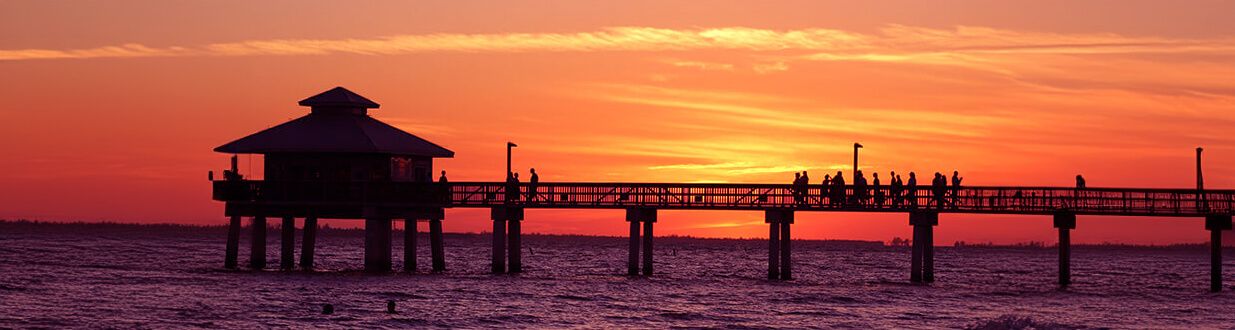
436 248
498 262
515 250
786 264
632 264
773 248
308 243
636 217
928 254
780 264
647 246
1216 224
922 263
507 239
287 242
377 245
232 250
409 245
1065 223
915 261
257 251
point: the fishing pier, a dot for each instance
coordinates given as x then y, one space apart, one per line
339 163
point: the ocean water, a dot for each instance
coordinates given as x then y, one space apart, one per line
58 276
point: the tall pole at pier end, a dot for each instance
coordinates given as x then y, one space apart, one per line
509 146
1201 203
855 159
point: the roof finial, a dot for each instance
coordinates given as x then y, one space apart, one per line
339 100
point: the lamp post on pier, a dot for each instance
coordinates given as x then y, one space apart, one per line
509 146
856 146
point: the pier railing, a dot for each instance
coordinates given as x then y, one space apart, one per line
738 196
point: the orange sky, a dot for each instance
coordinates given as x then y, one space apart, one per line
111 108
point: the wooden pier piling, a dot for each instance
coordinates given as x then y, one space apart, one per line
409 245
308 243
1216 224
233 243
257 250
1065 222
436 249
287 243
377 245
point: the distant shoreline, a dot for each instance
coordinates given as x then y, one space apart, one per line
8 226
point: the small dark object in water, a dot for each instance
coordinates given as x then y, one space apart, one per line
327 309
390 307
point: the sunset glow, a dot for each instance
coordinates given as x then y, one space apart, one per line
111 115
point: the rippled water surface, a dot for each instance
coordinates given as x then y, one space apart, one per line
160 277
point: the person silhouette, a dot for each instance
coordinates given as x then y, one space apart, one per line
444 186
512 190
510 185
531 185
859 188
877 189
838 189
956 186
804 187
897 186
1078 194
939 187
911 190
797 181
825 190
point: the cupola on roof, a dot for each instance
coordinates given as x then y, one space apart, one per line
335 126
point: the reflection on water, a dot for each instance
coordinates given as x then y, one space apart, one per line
54 276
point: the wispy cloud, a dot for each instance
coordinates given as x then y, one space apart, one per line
894 42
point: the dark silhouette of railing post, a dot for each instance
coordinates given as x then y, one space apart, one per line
1216 224
308 243
436 247
922 262
409 245
287 242
233 243
1065 222
257 250
780 263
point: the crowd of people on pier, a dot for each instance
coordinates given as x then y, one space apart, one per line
834 192
943 193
